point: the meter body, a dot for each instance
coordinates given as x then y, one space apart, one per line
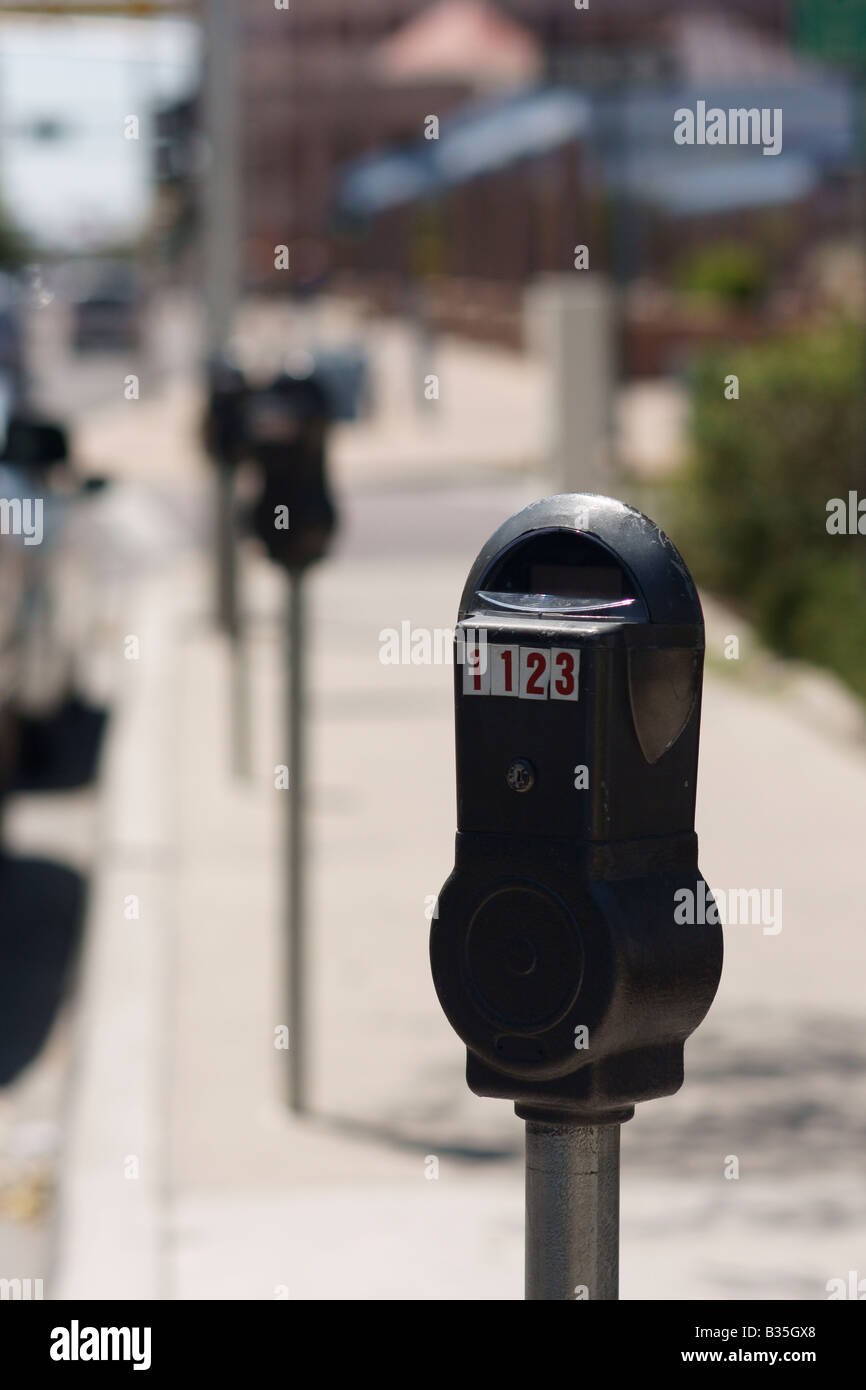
556 952
286 426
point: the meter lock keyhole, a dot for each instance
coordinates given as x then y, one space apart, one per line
520 775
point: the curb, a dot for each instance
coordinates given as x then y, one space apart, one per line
111 1200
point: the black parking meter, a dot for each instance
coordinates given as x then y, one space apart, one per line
286 428
294 516
35 444
224 425
555 950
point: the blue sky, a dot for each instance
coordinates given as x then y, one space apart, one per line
92 185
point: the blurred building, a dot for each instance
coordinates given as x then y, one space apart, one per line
724 61
323 85
327 83
555 130
516 181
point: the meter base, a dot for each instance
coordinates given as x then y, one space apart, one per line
555 1115
597 1096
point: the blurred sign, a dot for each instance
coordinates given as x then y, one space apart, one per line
832 29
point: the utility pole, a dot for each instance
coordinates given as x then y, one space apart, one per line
221 255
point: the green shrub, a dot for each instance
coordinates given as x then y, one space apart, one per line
752 503
730 271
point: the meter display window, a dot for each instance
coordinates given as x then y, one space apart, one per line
561 572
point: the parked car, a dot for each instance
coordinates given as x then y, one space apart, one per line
12 372
108 311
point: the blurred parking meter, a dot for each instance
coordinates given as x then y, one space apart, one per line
224 423
556 952
224 433
287 423
34 444
295 518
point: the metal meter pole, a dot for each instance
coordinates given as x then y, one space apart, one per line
221 257
221 238
295 898
572 1212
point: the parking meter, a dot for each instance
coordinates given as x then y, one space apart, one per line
224 425
286 426
295 518
34 444
556 952
224 436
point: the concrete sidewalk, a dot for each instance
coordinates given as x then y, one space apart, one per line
178 1068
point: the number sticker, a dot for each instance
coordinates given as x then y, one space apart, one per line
534 673
476 669
504 670
527 673
565 665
